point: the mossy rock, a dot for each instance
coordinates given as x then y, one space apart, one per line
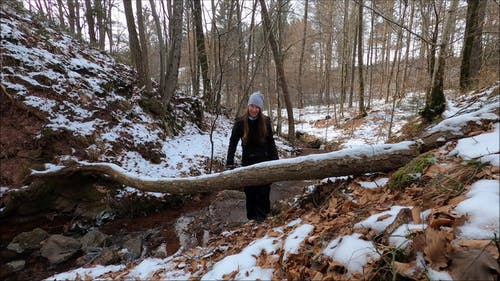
411 172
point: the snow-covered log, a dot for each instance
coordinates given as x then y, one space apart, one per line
356 161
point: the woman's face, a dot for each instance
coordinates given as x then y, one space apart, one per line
253 110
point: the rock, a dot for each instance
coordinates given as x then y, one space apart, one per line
133 248
11 267
108 256
28 240
59 248
93 239
229 200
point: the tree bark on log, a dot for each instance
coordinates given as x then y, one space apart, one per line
368 159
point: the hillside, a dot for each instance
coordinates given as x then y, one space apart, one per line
61 100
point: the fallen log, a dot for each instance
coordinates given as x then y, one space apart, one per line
355 161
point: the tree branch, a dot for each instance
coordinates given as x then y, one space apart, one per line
395 23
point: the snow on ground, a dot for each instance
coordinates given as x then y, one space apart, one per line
373 130
352 252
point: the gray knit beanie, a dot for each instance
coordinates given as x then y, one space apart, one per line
257 99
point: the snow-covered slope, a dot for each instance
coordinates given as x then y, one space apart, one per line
62 99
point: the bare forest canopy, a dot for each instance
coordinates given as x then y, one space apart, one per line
343 53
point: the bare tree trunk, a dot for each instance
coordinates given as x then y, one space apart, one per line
47 9
101 27
431 53
385 52
353 66
135 47
192 53
408 45
251 63
89 15
390 70
370 58
345 38
472 47
202 55
278 60
397 60
61 14
242 63
361 102
436 101
328 59
143 42
163 49
77 20
174 52
215 54
301 60
71 16
109 25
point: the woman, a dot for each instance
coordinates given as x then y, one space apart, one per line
257 143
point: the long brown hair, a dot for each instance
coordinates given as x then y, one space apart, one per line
262 127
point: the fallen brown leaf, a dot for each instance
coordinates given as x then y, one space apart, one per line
487 245
473 264
415 215
437 246
409 270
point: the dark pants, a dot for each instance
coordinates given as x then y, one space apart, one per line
257 202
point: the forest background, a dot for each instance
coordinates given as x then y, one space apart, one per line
339 53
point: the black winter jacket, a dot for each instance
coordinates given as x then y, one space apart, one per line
253 152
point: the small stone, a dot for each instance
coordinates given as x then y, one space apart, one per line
28 240
59 248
